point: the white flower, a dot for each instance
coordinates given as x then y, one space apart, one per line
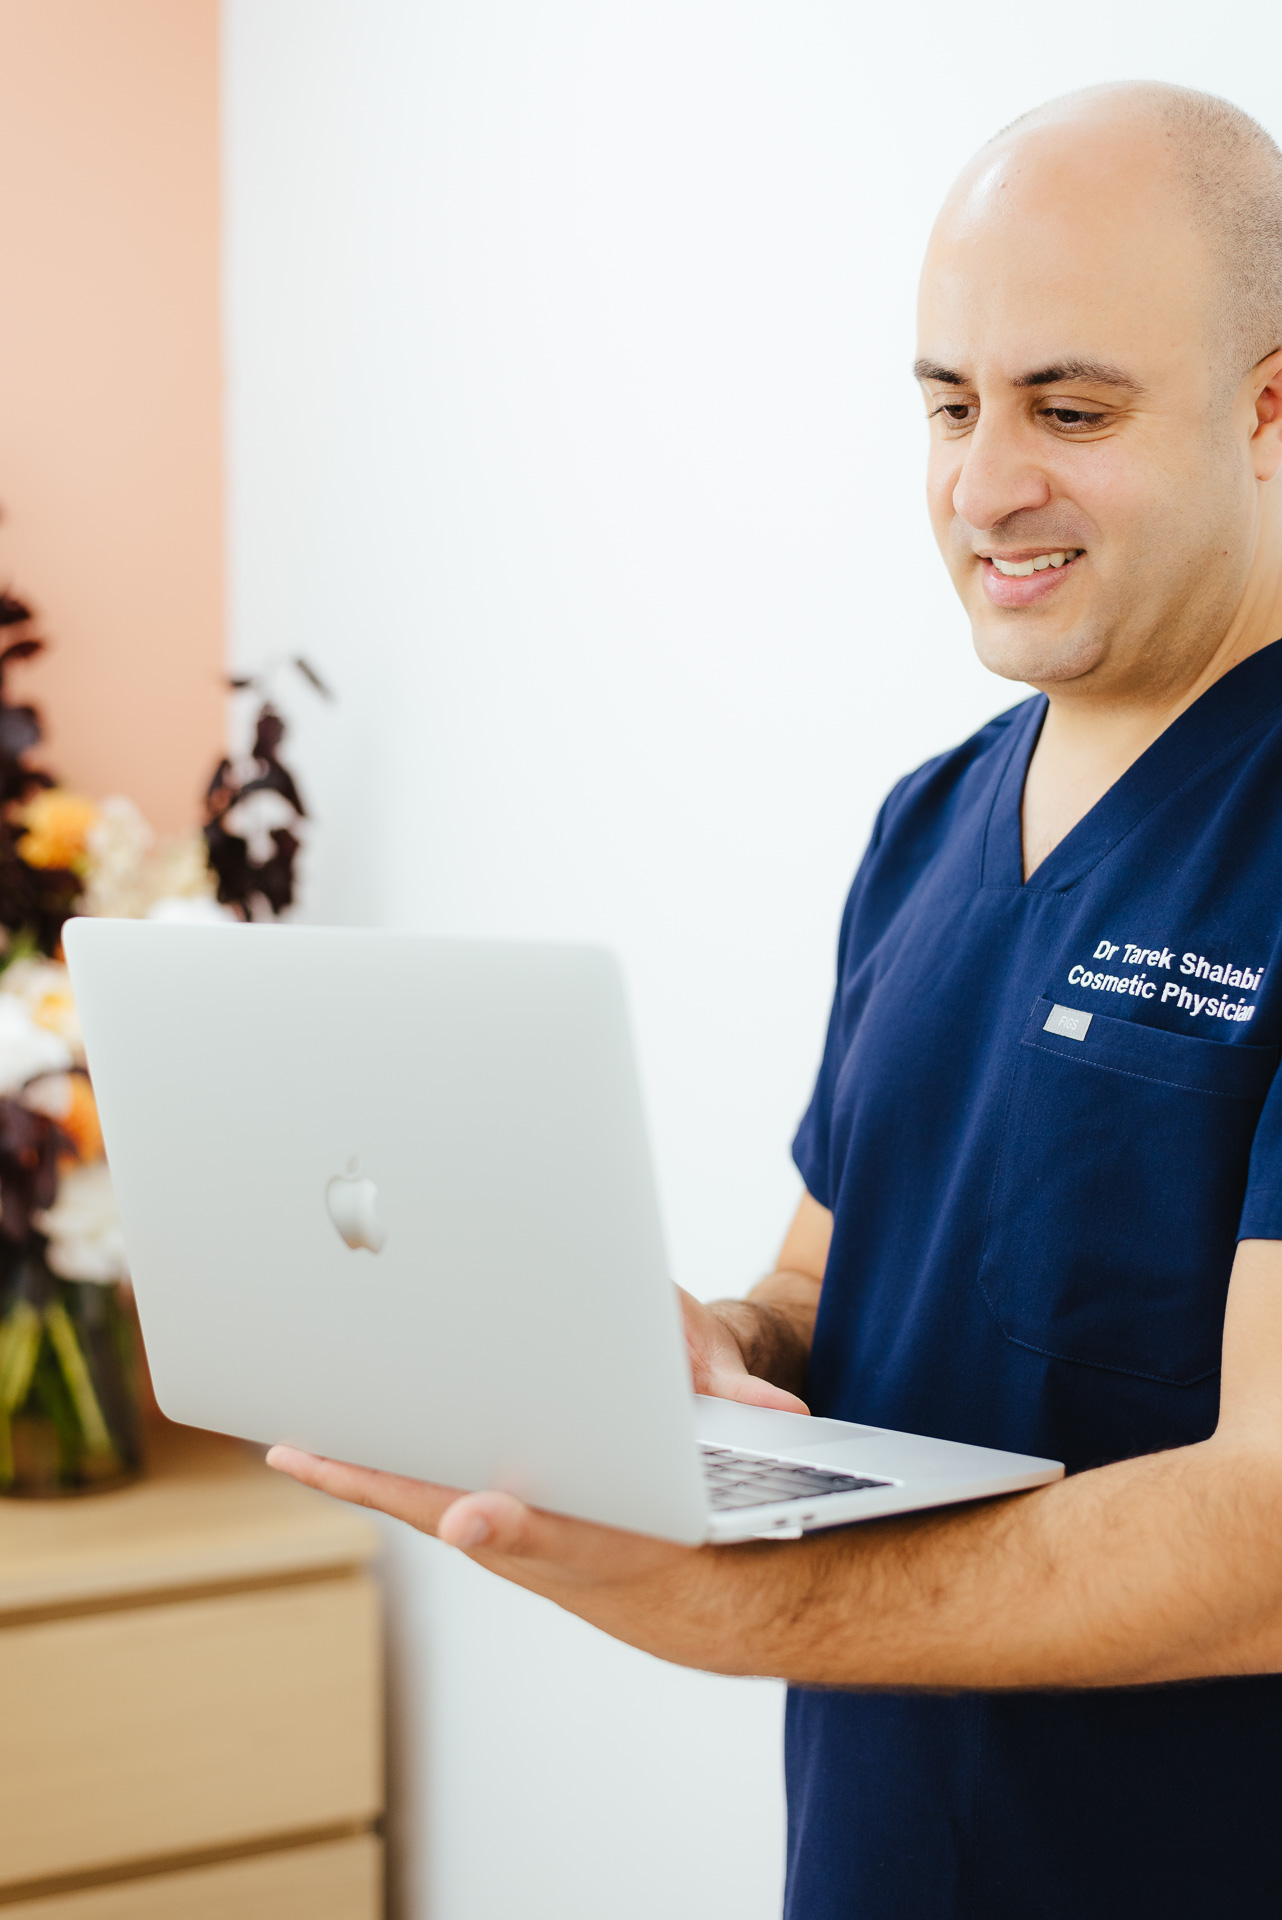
255 818
50 1095
130 870
27 1050
118 846
179 912
43 987
85 1241
179 869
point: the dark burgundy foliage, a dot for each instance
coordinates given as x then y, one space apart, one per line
34 902
30 1144
241 879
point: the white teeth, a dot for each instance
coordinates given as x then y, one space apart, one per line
1018 568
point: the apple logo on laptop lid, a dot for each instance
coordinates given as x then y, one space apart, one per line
352 1202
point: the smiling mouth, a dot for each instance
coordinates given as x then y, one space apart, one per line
1037 563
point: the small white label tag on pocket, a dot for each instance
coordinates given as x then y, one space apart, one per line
1068 1021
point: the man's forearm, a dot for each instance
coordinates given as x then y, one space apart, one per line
1167 1567
1157 1569
1163 1568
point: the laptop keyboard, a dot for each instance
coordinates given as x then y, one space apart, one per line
758 1480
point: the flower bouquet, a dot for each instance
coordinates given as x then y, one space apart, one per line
70 1356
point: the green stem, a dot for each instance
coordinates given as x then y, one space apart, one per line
62 1335
19 1348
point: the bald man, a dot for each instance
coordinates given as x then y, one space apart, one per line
1043 1161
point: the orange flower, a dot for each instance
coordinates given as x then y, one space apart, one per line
80 1121
57 825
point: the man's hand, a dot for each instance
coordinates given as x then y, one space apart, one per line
719 1357
757 1350
1167 1567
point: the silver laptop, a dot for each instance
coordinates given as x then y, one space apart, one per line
389 1199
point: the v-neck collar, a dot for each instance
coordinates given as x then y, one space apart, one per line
1247 697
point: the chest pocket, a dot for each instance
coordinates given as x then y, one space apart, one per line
1116 1196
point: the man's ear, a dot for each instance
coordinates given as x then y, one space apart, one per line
1265 382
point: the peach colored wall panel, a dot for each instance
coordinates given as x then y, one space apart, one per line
110 402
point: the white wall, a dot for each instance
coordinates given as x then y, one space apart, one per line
571 435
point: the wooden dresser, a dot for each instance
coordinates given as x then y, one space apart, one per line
190 1699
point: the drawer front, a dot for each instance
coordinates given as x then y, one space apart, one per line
342 1880
165 1729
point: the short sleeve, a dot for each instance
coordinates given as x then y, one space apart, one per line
811 1149
1262 1210
912 826
812 1146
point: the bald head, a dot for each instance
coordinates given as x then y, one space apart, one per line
1225 172
1100 342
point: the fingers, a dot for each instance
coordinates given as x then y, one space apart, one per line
753 1392
718 1360
308 1468
548 1553
498 1526
417 1502
495 1522
711 1347
573 1562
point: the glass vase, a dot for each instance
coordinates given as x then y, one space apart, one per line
70 1406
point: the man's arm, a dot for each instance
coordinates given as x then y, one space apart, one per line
757 1350
1163 1568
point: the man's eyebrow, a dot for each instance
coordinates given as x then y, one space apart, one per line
1096 371
931 370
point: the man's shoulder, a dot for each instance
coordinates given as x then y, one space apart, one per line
932 788
939 805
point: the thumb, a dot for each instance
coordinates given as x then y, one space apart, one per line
497 1521
751 1391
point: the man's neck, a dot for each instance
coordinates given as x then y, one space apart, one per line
1087 744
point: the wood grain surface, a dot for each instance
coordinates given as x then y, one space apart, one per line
341 1880
172 1728
207 1512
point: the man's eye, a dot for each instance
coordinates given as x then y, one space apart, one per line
1073 417
957 411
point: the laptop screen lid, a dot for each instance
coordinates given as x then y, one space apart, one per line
389 1198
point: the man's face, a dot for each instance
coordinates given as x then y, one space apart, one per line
1081 421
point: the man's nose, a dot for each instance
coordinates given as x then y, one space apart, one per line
999 476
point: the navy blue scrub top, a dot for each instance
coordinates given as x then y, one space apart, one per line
1033 1232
